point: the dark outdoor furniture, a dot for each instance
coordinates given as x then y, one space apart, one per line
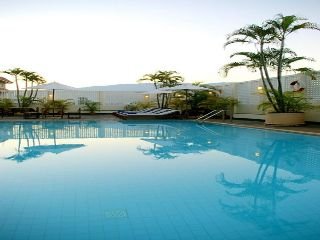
21 110
164 113
51 113
74 115
15 111
30 115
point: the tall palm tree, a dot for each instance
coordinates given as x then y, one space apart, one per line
16 72
259 36
162 79
283 26
35 79
266 57
27 76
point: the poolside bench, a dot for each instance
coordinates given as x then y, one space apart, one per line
30 115
74 115
50 113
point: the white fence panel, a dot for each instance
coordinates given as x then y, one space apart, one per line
246 92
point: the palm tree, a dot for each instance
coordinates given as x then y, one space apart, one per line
162 79
35 79
265 190
150 78
283 26
16 72
27 76
266 57
252 61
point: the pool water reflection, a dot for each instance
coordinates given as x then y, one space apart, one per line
156 180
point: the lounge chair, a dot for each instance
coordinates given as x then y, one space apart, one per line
155 114
124 112
141 111
31 114
74 115
52 113
28 112
2 112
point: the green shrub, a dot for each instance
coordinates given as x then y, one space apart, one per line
218 103
58 105
26 101
6 103
91 106
293 102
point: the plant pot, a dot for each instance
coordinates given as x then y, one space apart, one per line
285 119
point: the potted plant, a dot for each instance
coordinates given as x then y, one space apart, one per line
61 105
5 105
271 54
295 105
91 106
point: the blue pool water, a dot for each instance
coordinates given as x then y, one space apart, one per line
156 180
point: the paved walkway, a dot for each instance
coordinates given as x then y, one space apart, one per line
309 128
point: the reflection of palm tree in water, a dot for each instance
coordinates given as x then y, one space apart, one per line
27 132
157 152
167 144
265 191
162 134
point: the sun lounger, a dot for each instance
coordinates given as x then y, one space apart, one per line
124 112
141 111
52 114
74 115
29 115
156 114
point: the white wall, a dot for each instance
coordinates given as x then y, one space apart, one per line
109 101
248 94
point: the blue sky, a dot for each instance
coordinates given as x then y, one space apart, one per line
84 43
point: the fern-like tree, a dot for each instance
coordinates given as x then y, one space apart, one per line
162 79
16 73
30 80
271 53
35 80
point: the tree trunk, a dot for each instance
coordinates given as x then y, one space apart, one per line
35 95
26 88
266 90
279 76
31 91
162 100
158 100
274 92
17 87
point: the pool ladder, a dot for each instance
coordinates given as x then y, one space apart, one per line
210 114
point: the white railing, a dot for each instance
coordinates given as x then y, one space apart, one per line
210 115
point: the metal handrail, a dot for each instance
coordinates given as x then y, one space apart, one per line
209 115
203 116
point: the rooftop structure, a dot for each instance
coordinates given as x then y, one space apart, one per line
3 82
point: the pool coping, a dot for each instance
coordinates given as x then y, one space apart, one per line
278 128
250 124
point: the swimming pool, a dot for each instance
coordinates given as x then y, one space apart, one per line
156 180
